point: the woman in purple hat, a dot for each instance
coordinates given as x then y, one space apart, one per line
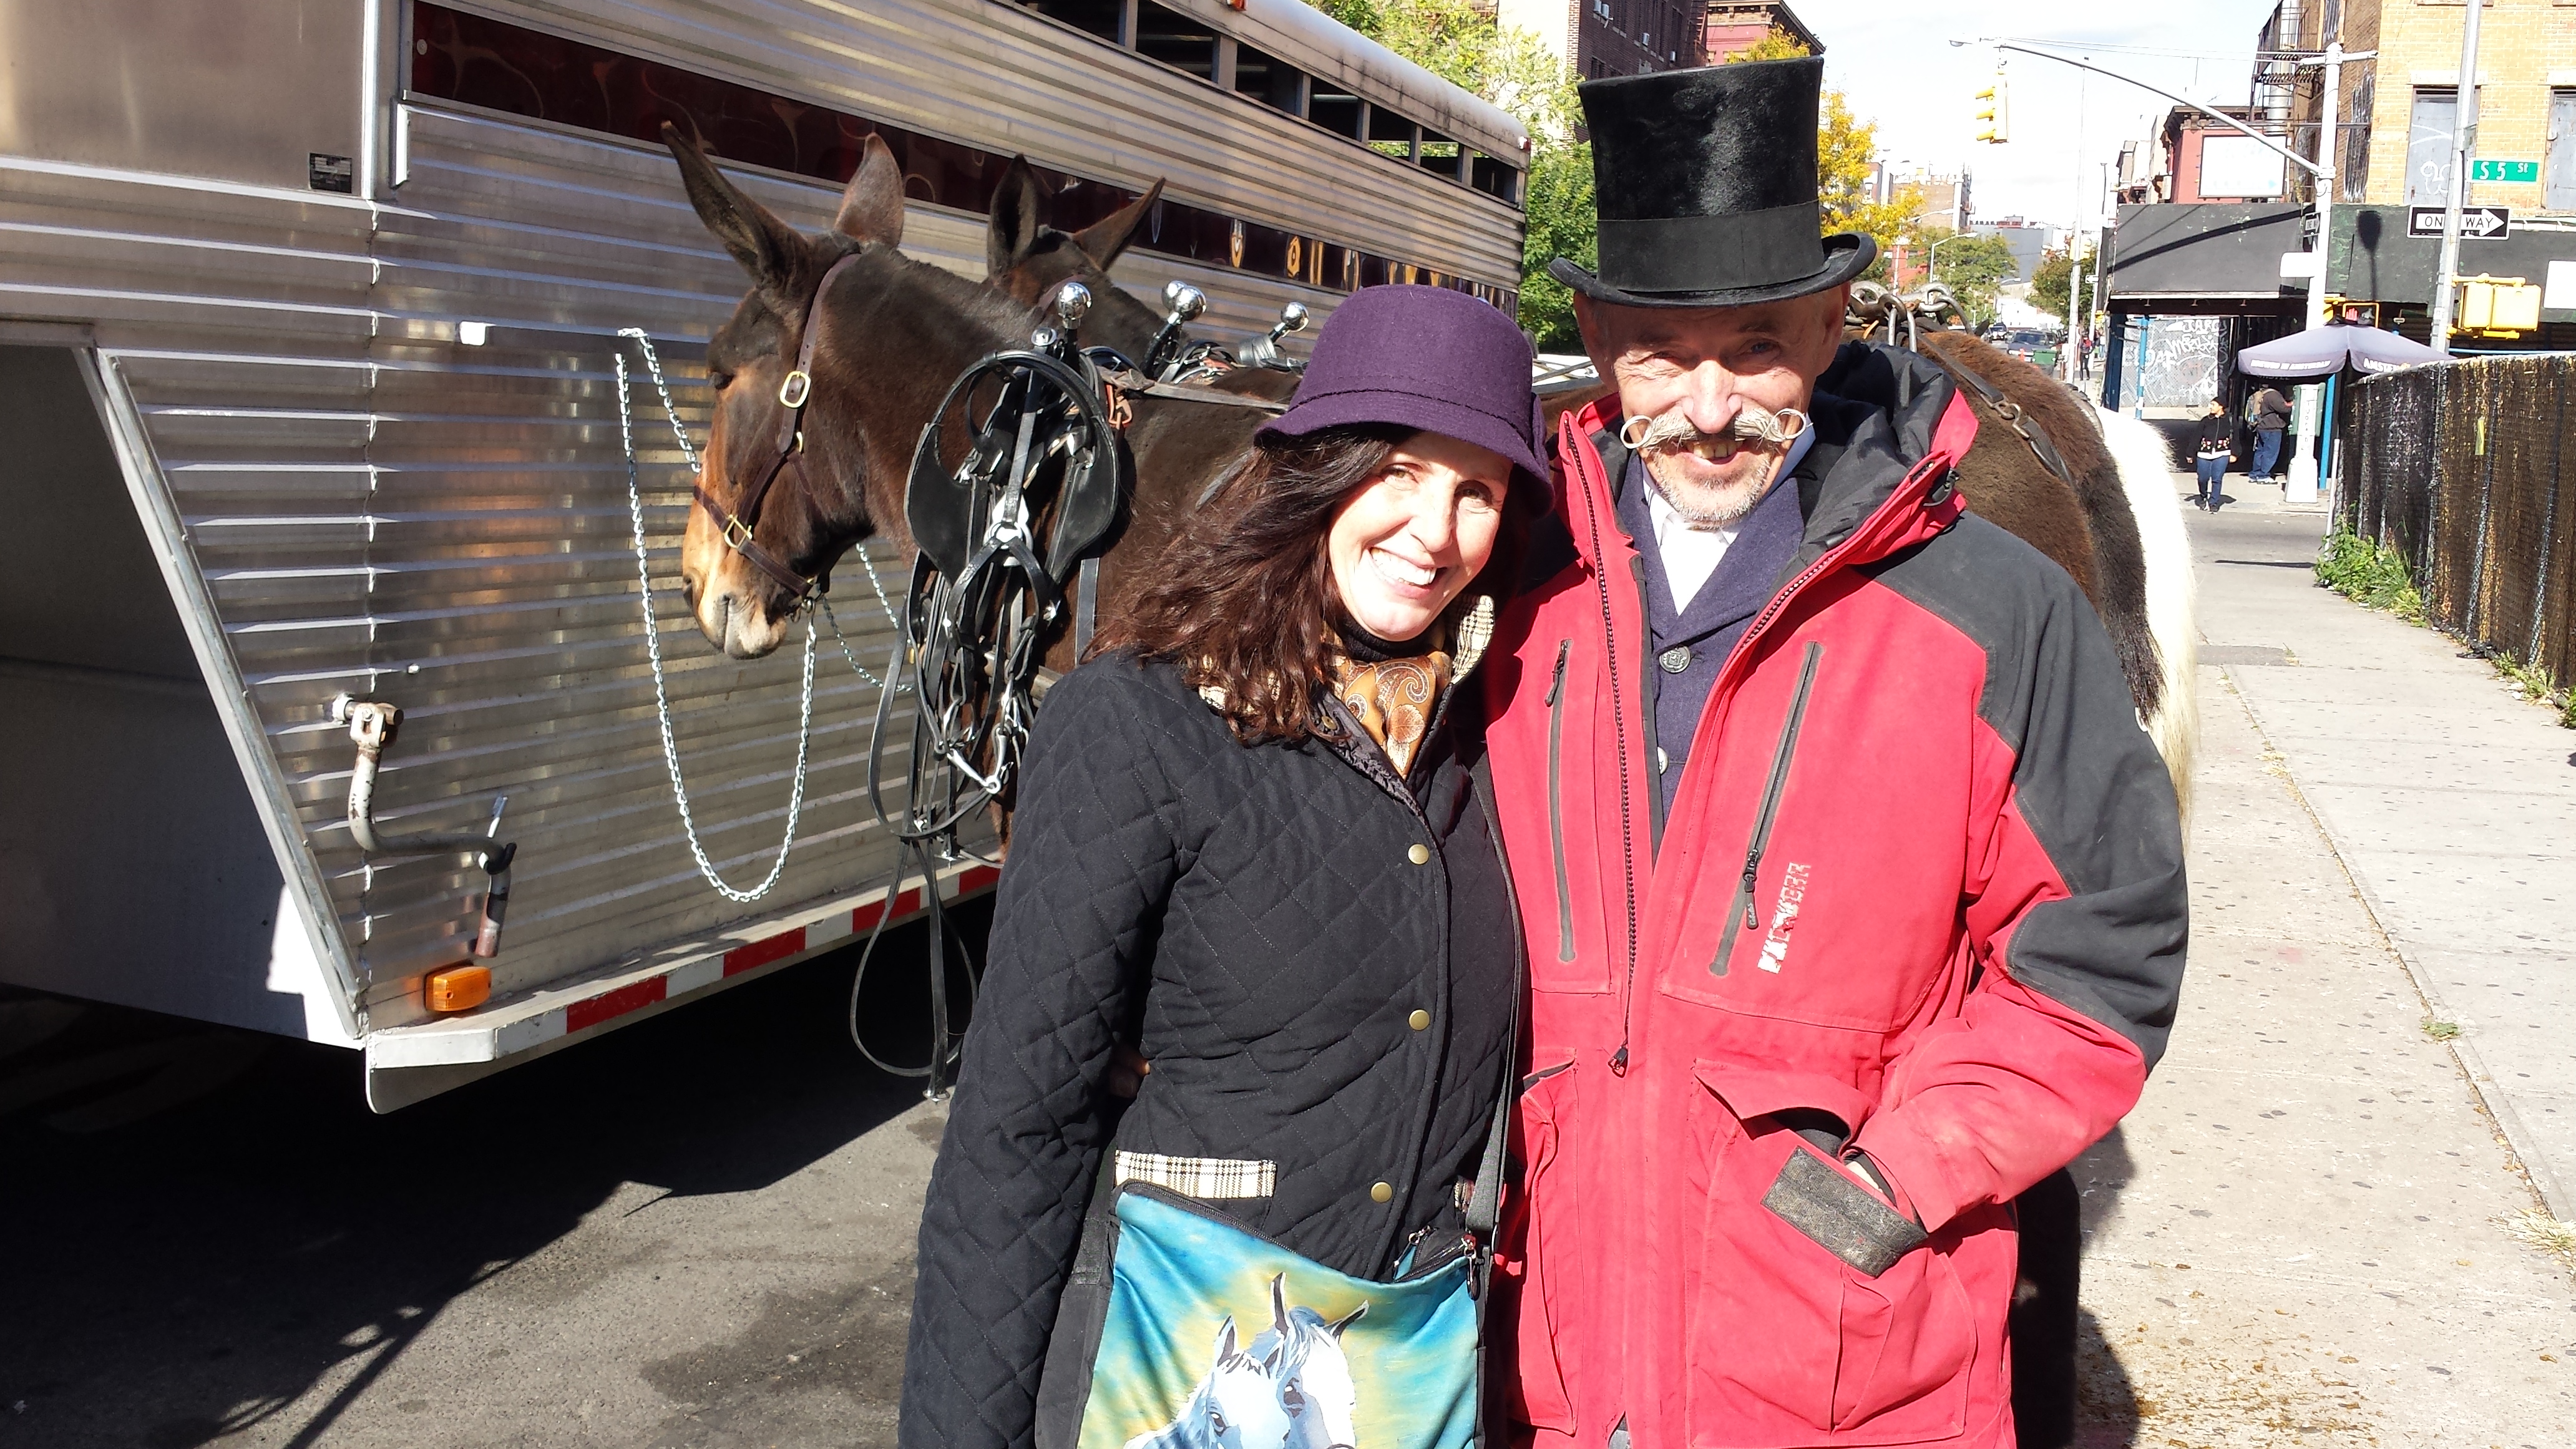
1253 847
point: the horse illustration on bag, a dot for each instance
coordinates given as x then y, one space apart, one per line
1290 1388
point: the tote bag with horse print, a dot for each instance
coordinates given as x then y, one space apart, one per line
1217 1338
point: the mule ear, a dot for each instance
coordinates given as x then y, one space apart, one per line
1104 239
1017 217
1225 1347
872 207
1346 1320
767 247
1279 1303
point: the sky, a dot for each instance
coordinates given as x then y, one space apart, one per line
1893 61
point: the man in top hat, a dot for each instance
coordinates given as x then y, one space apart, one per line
1853 891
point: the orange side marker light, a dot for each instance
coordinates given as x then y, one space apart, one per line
460 987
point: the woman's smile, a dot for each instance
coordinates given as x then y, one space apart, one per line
1405 576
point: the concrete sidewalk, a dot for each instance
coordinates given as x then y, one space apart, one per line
2304 1233
2451 799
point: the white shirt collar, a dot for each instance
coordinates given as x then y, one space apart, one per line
1690 555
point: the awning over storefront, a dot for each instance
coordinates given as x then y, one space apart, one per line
2218 258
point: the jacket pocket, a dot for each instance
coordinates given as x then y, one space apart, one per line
1556 803
1740 915
1532 1304
1789 1344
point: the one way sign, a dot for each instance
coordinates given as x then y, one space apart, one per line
2484 223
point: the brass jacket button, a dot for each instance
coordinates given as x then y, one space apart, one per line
1419 1020
1381 1193
1419 853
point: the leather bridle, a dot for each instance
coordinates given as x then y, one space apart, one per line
793 394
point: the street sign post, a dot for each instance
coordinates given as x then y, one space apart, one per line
2524 171
2478 223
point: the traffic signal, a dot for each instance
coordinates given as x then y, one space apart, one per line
1996 114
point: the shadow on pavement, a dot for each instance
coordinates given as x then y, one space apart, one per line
2106 1406
205 1225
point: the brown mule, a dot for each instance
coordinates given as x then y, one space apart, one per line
1026 260
895 332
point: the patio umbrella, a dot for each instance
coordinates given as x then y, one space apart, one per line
2324 351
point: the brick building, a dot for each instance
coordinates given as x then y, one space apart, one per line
1596 38
1728 29
2395 113
2394 137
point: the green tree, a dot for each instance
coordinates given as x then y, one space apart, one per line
1515 70
2049 280
1973 267
1778 45
1561 223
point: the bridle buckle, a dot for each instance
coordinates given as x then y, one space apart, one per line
798 387
737 533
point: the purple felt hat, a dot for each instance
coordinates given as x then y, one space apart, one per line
1426 358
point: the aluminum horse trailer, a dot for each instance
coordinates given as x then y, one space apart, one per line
307 317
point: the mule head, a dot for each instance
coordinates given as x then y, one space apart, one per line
818 505
1026 259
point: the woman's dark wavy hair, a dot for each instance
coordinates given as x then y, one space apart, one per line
1245 599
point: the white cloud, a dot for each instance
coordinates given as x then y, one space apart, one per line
1895 64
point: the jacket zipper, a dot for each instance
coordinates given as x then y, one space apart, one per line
1556 802
1741 915
1619 728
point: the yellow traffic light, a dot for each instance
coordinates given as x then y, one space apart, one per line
2498 306
1997 113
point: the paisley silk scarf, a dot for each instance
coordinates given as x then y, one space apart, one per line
1392 699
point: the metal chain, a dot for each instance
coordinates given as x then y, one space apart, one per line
653 653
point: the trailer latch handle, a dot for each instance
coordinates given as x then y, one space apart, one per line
372 726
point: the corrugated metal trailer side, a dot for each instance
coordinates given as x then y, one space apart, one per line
350 496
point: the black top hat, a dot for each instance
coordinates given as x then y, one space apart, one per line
1706 185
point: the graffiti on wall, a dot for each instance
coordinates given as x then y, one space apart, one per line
2178 363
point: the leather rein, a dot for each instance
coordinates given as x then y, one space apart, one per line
793 393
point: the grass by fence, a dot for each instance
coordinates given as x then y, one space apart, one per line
2452 511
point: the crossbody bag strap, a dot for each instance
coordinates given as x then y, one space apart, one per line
1485 1200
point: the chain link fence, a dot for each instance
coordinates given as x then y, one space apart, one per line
2457 469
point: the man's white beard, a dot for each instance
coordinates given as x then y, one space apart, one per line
1715 516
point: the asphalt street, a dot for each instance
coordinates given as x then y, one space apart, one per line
697 1231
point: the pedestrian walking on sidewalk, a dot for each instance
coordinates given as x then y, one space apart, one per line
2270 414
1854 891
1255 886
2212 455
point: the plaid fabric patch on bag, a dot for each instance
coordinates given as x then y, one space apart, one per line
1209 1179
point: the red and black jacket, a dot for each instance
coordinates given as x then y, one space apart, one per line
1922 874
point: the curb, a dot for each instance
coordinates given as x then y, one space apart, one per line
2519 1143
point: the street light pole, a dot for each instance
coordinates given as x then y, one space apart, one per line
2464 145
2074 301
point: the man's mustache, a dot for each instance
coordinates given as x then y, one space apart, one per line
1752 424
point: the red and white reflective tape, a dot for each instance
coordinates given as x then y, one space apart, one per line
545 1017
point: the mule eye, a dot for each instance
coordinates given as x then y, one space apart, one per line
719 378
1292 1400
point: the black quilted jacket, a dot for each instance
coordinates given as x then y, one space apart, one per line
1255 918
